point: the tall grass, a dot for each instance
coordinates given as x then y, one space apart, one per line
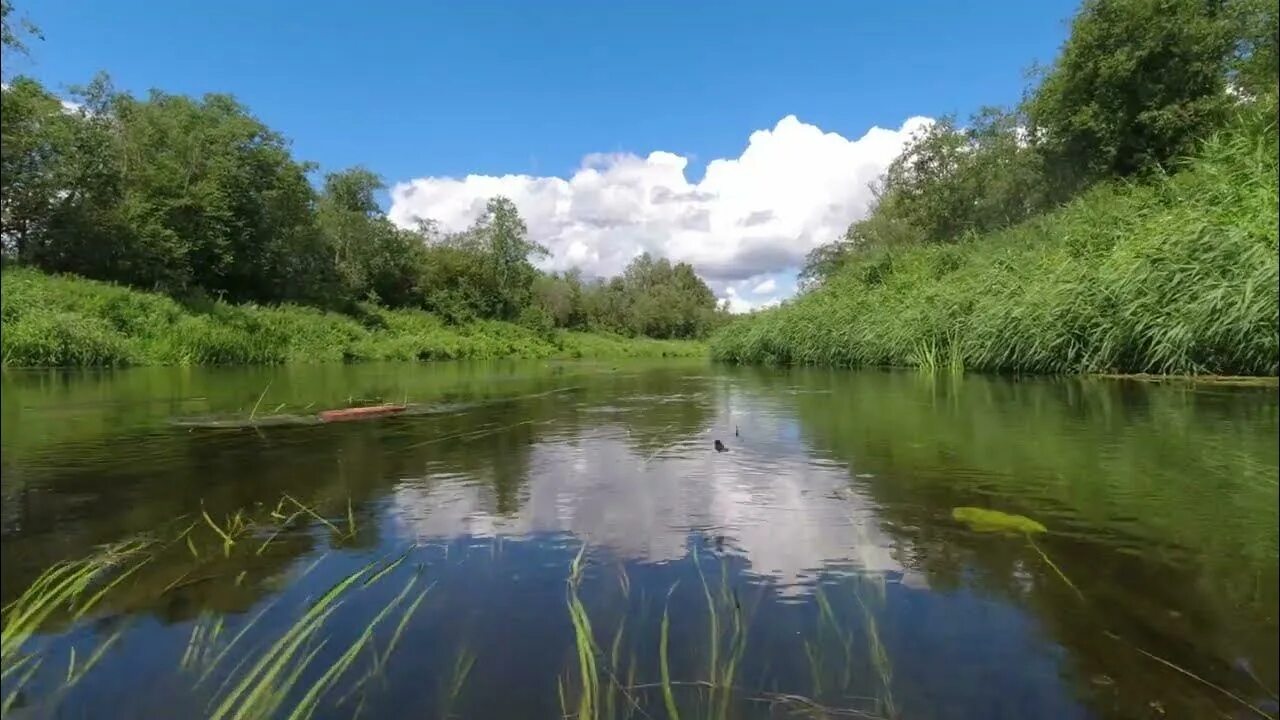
1177 276
70 321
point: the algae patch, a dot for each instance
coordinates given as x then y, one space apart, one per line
983 520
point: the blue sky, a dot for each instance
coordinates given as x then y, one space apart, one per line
421 92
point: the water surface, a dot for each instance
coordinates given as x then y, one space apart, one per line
814 568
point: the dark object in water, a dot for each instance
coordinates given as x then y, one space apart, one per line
735 431
242 424
720 447
361 413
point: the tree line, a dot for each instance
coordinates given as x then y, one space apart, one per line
197 198
1134 88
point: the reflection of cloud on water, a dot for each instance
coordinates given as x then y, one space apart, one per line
788 514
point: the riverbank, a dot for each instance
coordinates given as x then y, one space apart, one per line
1177 276
70 321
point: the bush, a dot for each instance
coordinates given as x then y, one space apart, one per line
63 339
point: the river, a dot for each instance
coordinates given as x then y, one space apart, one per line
561 538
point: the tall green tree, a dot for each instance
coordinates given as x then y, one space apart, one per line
1137 82
1256 29
506 240
61 178
214 193
35 137
948 183
374 260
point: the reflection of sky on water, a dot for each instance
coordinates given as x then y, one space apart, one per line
786 513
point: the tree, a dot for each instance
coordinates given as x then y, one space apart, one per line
653 298
948 182
34 140
212 197
1137 82
198 197
61 178
1256 29
554 297
11 33
373 259
506 240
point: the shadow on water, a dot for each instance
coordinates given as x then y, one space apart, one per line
562 539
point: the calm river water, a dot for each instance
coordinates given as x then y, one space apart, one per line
538 540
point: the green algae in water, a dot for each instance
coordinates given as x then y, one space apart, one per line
983 520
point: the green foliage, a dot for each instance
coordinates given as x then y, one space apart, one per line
1136 84
69 321
200 200
11 34
1256 29
949 181
506 243
948 184
1177 276
1165 276
373 259
652 297
167 193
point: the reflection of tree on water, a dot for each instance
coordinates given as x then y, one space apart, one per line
62 500
1157 497
624 462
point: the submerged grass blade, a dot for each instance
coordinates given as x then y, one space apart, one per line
1053 565
1241 701
319 518
254 411
404 622
664 661
98 652
17 687
713 629
234 640
260 681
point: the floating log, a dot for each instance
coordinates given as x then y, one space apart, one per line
361 413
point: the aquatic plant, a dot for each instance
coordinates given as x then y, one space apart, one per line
72 587
984 520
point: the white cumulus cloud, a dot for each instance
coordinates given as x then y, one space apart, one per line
748 223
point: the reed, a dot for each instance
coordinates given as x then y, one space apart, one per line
1176 276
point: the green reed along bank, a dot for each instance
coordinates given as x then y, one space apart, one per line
1175 276
63 320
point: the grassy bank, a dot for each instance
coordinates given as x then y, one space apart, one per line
69 321
1175 276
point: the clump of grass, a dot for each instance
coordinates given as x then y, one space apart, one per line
1173 277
